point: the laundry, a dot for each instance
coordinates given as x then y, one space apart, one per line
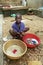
31 41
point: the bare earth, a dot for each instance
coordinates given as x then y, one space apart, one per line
36 26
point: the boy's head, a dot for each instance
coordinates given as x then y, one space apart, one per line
18 18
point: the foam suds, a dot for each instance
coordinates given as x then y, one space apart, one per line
18 51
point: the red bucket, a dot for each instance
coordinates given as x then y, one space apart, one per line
29 35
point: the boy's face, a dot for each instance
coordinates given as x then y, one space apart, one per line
18 19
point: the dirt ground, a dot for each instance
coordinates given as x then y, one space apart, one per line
36 26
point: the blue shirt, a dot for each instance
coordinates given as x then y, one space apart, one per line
16 28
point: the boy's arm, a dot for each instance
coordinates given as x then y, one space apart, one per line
26 29
14 29
23 28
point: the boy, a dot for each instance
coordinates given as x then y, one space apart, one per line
18 28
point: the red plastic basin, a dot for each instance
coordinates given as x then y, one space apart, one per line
29 35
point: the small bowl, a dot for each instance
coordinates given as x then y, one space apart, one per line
11 42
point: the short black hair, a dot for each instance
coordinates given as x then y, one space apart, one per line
18 14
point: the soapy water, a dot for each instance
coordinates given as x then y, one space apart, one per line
14 50
31 41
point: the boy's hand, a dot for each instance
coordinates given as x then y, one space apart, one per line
18 33
22 33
